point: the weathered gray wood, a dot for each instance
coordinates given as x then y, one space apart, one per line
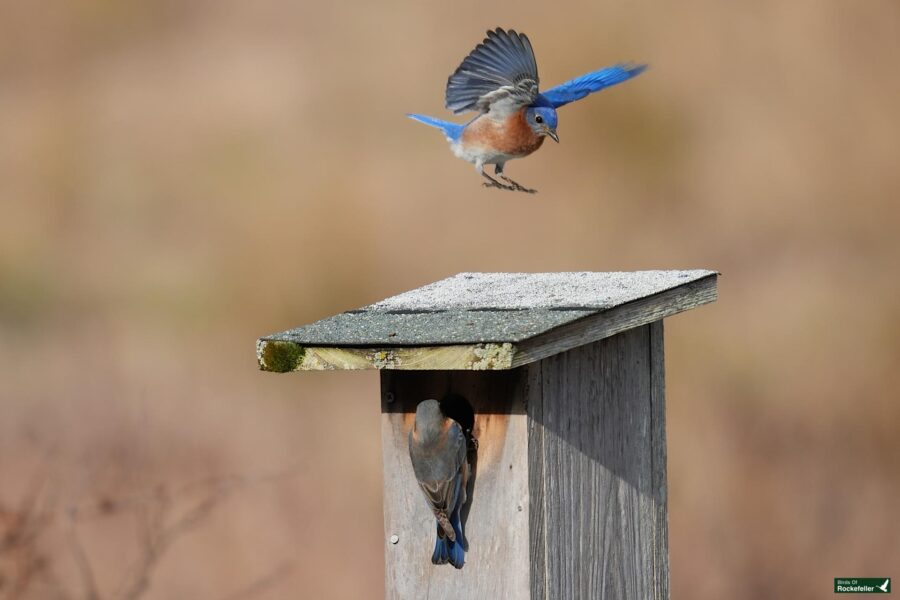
660 546
598 473
537 483
428 329
496 517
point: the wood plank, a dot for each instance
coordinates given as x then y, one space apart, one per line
537 483
497 515
597 480
284 356
658 507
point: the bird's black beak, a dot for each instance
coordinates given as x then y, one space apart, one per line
551 133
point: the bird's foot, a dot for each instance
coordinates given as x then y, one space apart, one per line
496 184
516 186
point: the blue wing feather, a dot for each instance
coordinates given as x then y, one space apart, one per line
578 88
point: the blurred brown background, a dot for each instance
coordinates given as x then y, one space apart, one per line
179 178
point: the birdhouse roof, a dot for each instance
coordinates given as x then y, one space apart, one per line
487 320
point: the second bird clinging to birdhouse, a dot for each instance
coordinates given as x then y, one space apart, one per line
438 451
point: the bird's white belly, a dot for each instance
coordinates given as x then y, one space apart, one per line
475 154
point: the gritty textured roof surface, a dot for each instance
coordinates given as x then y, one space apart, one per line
472 308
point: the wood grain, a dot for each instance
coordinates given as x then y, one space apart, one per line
597 462
284 356
659 447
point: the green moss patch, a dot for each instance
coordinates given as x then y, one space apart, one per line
279 357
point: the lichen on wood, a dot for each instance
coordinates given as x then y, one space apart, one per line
493 356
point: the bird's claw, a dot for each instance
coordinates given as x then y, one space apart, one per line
516 186
512 187
498 185
519 188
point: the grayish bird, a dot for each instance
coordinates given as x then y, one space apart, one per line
437 449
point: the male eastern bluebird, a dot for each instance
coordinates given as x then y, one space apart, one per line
437 448
499 79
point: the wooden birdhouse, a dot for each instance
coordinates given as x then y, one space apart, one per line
560 379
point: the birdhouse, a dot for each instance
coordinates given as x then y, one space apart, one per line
559 380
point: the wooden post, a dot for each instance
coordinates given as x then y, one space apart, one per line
561 379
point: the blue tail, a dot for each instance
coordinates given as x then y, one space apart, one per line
441 554
457 552
452 131
446 551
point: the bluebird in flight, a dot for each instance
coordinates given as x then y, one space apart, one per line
499 80
437 448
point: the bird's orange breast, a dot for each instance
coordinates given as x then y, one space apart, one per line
512 136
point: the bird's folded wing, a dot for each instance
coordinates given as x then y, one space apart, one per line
499 75
442 497
440 494
578 88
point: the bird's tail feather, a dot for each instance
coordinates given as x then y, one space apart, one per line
457 554
457 549
452 131
448 551
441 553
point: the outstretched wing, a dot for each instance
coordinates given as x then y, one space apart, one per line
578 88
499 75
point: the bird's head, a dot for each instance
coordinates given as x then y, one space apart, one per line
429 420
542 120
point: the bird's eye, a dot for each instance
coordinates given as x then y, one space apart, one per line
539 119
